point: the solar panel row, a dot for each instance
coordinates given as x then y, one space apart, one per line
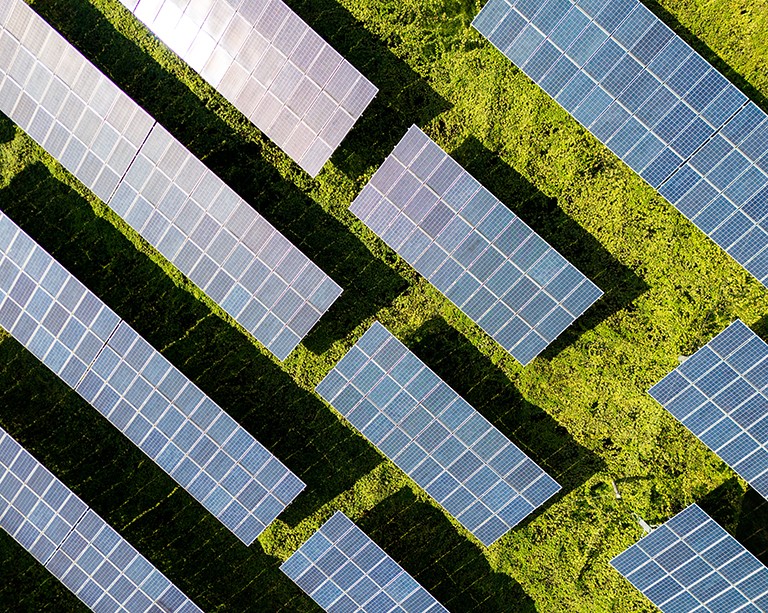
163 191
227 249
692 564
76 545
657 104
271 65
167 416
342 569
720 394
472 248
476 474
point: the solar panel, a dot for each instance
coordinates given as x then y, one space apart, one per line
653 101
692 564
164 192
225 247
720 394
76 545
143 395
414 418
269 64
342 569
472 248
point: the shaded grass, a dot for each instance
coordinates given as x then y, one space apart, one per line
446 564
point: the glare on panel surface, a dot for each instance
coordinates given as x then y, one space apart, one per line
269 64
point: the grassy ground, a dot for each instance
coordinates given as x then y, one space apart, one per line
580 410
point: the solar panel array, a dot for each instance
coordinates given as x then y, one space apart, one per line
76 545
720 394
692 564
269 64
163 191
657 104
449 449
167 416
472 248
342 569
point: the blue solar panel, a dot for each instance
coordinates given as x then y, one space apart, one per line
692 564
76 545
342 569
476 474
157 186
142 394
472 248
658 105
720 394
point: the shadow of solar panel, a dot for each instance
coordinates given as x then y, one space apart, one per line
164 192
476 474
140 392
342 569
472 248
691 563
719 394
270 65
653 101
78 547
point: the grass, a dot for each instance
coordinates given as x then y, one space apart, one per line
580 410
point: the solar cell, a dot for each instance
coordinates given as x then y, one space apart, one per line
76 545
140 392
342 569
271 65
653 101
692 564
414 418
472 248
164 192
720 394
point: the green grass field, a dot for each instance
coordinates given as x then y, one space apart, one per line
580 410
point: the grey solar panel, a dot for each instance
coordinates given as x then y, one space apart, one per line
342 569
472 248
142 394
720 394
692 564
164 192
271 65
476 474
645 94
76 545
